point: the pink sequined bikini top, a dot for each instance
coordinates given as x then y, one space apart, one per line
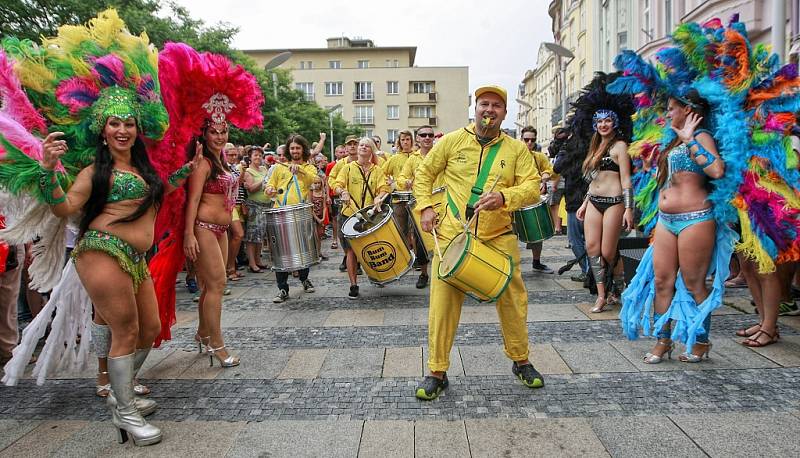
225 184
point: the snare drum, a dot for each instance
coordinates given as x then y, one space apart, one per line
381 249
402 197
475 268
292 236
533 223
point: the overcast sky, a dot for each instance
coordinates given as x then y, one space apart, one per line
496 39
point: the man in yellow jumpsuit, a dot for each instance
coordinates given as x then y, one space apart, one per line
293 180
458 157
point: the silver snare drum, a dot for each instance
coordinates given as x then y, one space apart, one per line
292 236
402 197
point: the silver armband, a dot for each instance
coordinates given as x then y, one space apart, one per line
627 197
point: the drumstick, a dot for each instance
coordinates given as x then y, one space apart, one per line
298 169
436 243
475 215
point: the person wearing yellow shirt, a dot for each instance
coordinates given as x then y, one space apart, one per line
392 168
359 184
458 157
405 182
546 171
350 155
294 179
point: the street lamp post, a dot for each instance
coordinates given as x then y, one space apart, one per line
269 66
562 53
332 110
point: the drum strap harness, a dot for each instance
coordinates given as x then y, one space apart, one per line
296 187
366 188
480 182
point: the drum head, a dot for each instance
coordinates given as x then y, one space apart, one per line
454 253
354 226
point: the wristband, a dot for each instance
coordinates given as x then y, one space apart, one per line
48 184
702 152
627 197
180 175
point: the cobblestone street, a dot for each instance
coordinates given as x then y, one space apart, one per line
322 375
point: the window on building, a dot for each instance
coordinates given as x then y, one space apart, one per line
364 114
337 111
668 16
363 64
363 91
368 132
421 87
388 62
306 65
307 89
391 136
333 88
393 87
393 112
395 63
422 111
334 64
582 74
647 25
582 23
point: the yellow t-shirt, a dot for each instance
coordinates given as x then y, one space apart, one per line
351 179
282 178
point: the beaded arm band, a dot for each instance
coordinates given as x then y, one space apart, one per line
48 184
702 152
627 197
180 175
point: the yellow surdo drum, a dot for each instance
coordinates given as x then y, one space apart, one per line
378 245
416 213
475 268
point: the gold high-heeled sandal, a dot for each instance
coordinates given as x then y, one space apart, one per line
230 361
692 358
651 358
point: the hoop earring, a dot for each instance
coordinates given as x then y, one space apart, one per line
104 141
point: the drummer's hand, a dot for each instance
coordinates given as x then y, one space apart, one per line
409 184
270 191
345 196
190 247
581 213
489 201
627 219
293 168
428 219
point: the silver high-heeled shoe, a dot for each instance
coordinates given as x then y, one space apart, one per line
650 358
201 342
124 415
230 361
692 358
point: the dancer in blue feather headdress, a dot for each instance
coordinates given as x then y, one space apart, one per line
712 160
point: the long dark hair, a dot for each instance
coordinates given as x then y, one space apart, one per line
300 140
595 153
218 166
101 184
700 107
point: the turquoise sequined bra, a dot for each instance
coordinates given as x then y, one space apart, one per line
127 186
679 160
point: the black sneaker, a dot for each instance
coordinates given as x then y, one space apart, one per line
281 297
422 281
353 292
431 387
580 278
541 268
529 376
308 287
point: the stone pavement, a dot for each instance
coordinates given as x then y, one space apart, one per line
322 375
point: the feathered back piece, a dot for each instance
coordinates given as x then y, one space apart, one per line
78 79
753 103
595 99
198 89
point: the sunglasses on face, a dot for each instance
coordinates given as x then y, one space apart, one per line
425 135
526 140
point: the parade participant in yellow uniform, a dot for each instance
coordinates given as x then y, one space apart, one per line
392 169
294 179
405 182
459 157
545 169
351 150
359 184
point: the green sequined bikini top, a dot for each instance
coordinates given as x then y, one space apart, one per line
127 186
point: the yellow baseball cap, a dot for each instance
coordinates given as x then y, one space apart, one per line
350 138
496 89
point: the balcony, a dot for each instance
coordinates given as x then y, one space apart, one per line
424 98
364 120
363 97
417 121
